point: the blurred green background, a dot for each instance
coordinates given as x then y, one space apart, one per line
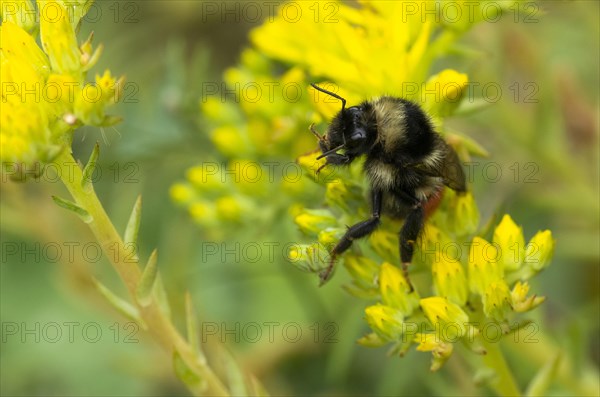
167 49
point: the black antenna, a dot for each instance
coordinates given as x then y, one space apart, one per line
316 87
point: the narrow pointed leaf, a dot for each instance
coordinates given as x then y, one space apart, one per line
235 377
71 206
133 225
88 171
122 306
161 296
186 375
191 323
147 281
539 384
94 58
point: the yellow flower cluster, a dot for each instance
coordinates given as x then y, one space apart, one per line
262 113
44 93
478 283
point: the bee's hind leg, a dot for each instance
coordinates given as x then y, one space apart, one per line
413 225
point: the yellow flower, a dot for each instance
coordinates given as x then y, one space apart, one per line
41 92
92 99
463 215
450 320
231 141
309 257
310 165
385 321
58 38
497 300
440 350
249 177
25 116
229 208
385 244
539 250
520 301
372 340
203 212
395 291
330 236
443 92
344 195
449 280
364 271
208 177
19 12
181 193
484 267
433 241
511 243
313 221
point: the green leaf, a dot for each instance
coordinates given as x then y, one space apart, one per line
185 374
133 225
539 384
161 296
122 306
191 323
235 376
71 206
472 106
88 171
144 289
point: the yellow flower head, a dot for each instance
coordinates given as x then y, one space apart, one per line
497 300
24 115
450 320
539 251
463 214
19 12
484 267
364 271
313 221
440 350
511 243
42 90
520 301
309 257
385 244
58 37
450 280
395 291
386 321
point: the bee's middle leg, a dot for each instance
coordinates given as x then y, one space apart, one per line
354 232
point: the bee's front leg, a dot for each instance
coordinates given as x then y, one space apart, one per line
338 159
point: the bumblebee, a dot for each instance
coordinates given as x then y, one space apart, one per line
406 161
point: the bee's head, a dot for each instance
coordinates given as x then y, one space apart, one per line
348 130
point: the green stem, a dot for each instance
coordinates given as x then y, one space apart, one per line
159 325
504 384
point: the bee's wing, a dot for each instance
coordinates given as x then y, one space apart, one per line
452 172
